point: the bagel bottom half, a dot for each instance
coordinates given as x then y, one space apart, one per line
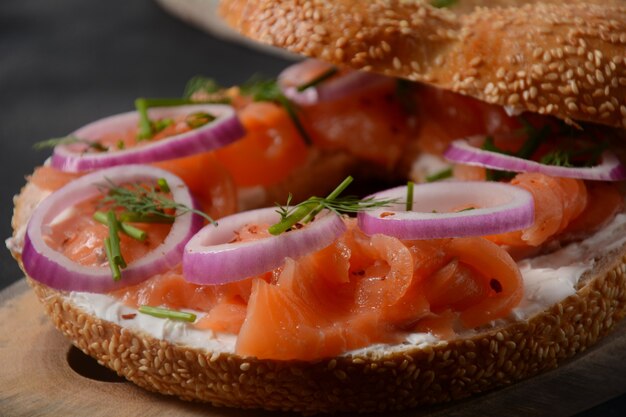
402 377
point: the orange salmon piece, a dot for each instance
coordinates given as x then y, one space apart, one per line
227 317
271 149
295 320
81 239
605 201
51 179
548 197
371 124
173 291
444 116
210 183
496 271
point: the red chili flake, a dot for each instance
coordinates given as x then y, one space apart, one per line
129 316
495 285
386 214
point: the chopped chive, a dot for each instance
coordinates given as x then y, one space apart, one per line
127 229
165 313
320 78
441 175
162 124
120 144
114 239
134 217
409 196
334 194
163 185
115 268
295 217
307 211
145 126
289 107
198 119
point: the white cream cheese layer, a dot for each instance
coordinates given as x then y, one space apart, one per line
547 280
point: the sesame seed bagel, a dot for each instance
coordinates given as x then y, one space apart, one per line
566 60
372 379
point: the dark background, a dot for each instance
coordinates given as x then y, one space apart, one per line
64 63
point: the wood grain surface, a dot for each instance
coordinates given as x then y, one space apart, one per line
37 380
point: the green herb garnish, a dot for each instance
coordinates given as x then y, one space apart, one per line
558 158
114 239
320 78
441 175
165 313
68 140
127 229
268 90
115 268
200 84
535 139
409 196
145 204
306 211
198 119
147 128
163 185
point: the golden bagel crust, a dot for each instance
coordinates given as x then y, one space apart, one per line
369 381
565 60
373 380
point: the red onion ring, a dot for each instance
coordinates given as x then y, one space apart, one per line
498 208
209 258
44 264
330 90
460 151
225 129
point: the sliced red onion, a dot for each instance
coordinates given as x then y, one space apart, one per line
333 89
225 129
439 211
210 258
52 268
460 151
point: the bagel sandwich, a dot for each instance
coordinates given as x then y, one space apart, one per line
567 68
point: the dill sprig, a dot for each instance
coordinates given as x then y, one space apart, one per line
306 211
201 84
68 140
559 158
145 204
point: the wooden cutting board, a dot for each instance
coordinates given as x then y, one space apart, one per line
41 374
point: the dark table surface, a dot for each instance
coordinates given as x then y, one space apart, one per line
64 63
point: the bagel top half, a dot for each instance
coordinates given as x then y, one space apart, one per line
565 60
